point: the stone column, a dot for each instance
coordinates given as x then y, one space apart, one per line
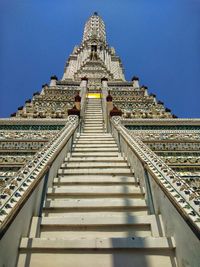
135 82
145 90
84 81
104 82
109 103
44 86
104 93
53 80
109 107
78 101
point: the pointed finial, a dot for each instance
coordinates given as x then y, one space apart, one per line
95 13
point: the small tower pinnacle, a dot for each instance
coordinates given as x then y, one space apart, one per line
94 29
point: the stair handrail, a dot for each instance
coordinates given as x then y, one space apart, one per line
104 94
83 107
16 192
181 195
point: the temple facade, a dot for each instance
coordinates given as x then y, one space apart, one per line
95 171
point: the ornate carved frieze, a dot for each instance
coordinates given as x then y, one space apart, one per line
14 160
176 142
182 160
27 135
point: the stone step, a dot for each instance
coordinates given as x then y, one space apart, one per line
91 123
90 131
95 190
99 243
93 115
96 122
51 213
61 212
99 131
98 252
89 119
94 159
98 204
83 141
97 171
100 135
94 105
93 127
91 104
101 219
94 231
97 149
93 165
94 154
97 145
97 109
94 180
93 111
94 119
95 131
99 122
95 138
100 225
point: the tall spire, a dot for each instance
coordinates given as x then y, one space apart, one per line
94 29
93 58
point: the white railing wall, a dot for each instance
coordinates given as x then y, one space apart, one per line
165 193
24 196
104 108
83 95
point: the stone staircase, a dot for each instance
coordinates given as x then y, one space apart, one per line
95 214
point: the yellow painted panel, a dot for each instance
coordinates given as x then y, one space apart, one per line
93 95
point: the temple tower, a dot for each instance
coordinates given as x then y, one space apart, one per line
93 58
95 171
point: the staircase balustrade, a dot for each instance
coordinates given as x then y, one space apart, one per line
83 94
104 108
142 158
165 192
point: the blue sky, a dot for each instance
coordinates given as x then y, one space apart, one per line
157 40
